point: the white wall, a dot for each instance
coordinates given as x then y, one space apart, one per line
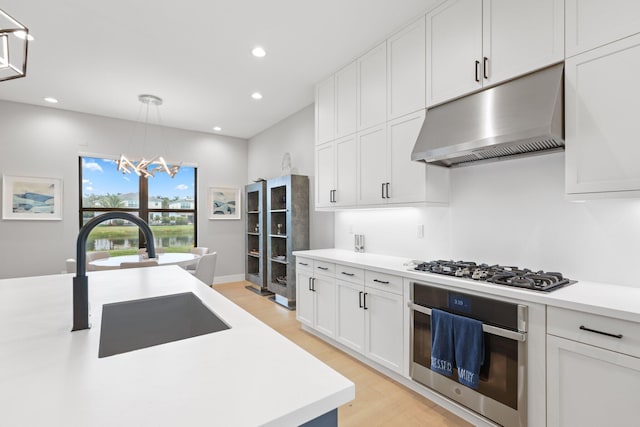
294 135
511 212
46 142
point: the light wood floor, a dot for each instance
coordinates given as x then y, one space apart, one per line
379 401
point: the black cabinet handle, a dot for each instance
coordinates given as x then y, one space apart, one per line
310 284
478 71
365 301
323 268
381 281
348 274
584 328
360 299
382 190
303 263
386 185
485 67
313 284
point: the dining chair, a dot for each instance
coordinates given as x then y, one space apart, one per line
198 250
71 265
147 263
206 268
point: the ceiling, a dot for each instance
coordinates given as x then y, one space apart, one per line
96 57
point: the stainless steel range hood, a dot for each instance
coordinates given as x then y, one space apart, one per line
521 116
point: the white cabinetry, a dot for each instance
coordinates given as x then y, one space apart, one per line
346 97
594 23
325 111
593 379
406 70
385 173
602 126
336 164
316 290
372 87
477 43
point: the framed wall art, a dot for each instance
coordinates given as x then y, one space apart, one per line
224 203
31 198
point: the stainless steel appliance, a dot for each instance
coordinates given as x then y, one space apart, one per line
501 394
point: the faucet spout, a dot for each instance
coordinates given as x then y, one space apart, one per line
81 281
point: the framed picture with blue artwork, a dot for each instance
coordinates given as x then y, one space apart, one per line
31 198
224 203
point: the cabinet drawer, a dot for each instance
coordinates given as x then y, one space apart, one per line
384 282
591 329
304 263
321 267
350 274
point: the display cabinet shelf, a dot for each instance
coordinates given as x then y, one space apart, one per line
255 240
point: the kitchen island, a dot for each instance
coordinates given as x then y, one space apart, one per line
247 375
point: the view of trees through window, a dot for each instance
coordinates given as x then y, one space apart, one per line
167 204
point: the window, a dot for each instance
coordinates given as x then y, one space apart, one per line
168 204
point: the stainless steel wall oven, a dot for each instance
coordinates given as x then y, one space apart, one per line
501 394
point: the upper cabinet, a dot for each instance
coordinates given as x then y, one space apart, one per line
372 87
406 70
325 110
602 127
476 43
346 97
594 23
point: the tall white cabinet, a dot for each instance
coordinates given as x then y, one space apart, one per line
476 43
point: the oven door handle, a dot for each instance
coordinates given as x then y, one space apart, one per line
493 330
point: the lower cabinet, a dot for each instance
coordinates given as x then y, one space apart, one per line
590 379
369 320
316 296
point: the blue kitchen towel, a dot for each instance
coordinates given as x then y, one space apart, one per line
469 349
442 349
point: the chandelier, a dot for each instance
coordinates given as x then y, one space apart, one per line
143 167
14 44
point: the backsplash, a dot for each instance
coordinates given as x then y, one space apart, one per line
510 212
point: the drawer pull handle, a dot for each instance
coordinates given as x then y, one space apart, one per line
348 274
323 268
384 282
584 328
303 263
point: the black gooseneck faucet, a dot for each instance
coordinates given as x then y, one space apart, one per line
81 281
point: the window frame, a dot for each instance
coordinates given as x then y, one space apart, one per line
143 202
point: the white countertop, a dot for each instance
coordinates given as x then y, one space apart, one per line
621 302
248 375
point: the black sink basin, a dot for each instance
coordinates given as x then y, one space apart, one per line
132 325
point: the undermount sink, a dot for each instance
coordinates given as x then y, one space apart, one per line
137 324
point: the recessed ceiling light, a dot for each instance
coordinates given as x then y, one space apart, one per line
217 128
51 100
258 52
256 95
22 35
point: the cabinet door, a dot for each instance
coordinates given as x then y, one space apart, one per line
372 87
406 70
454 50
384 328
350 315
324 290
521 36
304 298
590 386
602 126
346 163
346 97
372 166
325 111
591 24
325 172
407 178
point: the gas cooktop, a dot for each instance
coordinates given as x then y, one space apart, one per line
498 274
